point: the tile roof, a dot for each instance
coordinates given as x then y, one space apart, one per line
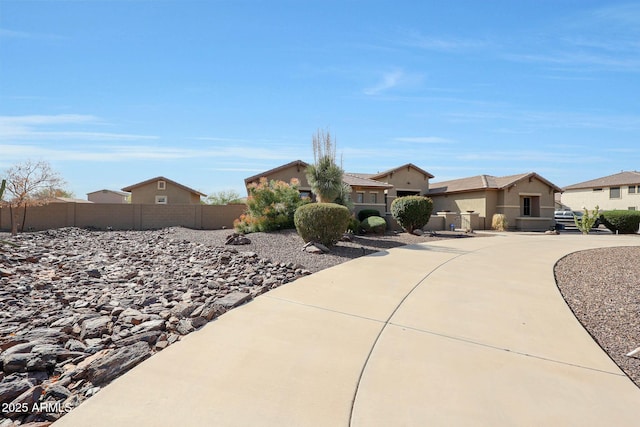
161 178
407 165
483 182
359 181
298 163
622 178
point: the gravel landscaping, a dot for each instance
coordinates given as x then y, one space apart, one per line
602 288
78 308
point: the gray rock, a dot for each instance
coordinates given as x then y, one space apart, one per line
13 386
233 299
96 327
116 362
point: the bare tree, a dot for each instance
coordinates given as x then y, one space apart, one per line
29 184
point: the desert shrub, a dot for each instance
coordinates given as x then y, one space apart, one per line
322 222
412 212
270 206
366 213
354 226
499 222
587 221
374 224
622 222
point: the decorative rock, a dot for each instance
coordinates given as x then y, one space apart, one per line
418 232
96 327
78 308
237 239
115 362
233 300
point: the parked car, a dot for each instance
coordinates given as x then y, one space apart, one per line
564 219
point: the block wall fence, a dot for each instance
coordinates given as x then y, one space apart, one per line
124 216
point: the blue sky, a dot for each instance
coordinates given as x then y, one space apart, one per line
207 93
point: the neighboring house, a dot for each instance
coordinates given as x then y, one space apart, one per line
67 200
527 200
405 180
286 173
163 191
369 191
108 196
617 191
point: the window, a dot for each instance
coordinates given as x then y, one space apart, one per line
360 198
597 189
632 208
526 205
374 197
162 185
161 200
634 190
614 192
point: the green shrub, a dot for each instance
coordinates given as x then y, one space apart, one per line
587 221
270 206
366 213
622 222
354 226
322 222
412 212
374 224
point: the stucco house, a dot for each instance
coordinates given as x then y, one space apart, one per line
527 201
617 191
108 196
163 191
369 191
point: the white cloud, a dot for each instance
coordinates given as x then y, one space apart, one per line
30 127
424 140
389 81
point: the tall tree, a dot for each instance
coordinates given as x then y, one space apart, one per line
223 197
24 182
325 176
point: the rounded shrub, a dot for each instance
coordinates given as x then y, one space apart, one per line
374 224
622 222
354 226
321 222
412 212
499 222
366 213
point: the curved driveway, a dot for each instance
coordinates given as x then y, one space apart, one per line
454 332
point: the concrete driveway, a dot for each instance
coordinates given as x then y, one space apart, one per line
455 332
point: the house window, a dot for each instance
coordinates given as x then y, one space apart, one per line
161 200
374 197
526 206
614 192
359 197
632 189
632 208
597 189
162 185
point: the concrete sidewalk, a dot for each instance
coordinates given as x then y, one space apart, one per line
454 332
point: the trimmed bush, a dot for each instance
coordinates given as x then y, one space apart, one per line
366 213
499 222
622 222
322 222
374 224
354 226
412 212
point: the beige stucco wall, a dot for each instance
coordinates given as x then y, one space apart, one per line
462 202
406 179
286 174
146 194
577 199
126 216
106 197
512 205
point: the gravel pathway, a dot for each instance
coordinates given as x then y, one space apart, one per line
602 288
